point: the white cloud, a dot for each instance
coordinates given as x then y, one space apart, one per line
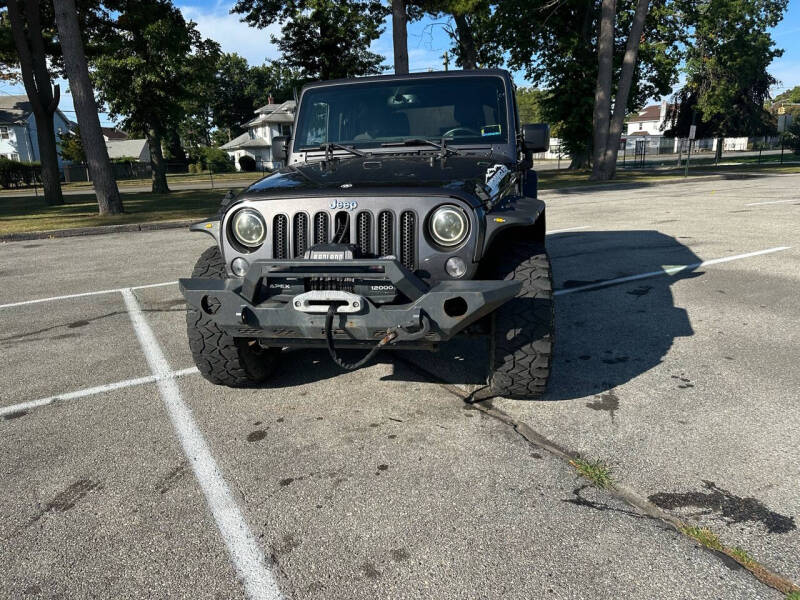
216 22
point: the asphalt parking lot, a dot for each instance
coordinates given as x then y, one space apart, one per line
126 475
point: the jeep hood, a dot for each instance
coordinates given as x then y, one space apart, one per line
463 176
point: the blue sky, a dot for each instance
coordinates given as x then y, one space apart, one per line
427 41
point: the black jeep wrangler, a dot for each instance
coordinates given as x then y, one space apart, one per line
406 214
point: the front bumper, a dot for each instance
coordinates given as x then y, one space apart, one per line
432 314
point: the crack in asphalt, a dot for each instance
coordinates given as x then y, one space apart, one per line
481 400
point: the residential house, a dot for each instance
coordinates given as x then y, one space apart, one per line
645 130
270 121
18 139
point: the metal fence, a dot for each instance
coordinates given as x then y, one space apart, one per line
651 151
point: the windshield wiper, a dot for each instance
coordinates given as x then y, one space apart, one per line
329 147
422 141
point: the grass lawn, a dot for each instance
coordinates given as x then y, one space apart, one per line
238 177
551 180
26 214
18 215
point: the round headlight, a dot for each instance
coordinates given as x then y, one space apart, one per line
448 226
248 227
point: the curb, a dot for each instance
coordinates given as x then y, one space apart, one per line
99 230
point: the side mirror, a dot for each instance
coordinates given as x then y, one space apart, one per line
536 137
279 143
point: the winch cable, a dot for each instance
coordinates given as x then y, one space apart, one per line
332 349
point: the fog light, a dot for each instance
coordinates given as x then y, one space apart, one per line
239 267
455 267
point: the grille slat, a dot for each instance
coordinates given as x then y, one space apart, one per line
280 237
385 233
408 239
321 225
300 233
364 232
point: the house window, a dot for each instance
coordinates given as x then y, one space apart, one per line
5 133
286 130
640 125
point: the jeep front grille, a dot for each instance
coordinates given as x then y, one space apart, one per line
381 234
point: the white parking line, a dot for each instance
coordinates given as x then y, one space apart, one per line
773 202
667 271
245 554
117 385
84 294
568 229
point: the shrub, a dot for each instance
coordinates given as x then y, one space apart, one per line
214 159
247 163
14 173
192 168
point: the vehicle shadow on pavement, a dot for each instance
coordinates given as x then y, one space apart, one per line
609 335
605 336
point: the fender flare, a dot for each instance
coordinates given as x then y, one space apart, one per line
211 227
523 218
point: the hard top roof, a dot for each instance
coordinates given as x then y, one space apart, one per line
411 76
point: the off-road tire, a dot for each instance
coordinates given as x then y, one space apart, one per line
522 332
222 358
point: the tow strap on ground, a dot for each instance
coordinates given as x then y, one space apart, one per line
390 335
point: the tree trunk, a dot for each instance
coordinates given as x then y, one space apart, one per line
26 30
466 42
400 37
48 154
579 160
623 89
602 94
94 146
157 164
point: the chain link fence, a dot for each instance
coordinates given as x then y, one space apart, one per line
643 151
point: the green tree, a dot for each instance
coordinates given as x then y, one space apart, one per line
71 146
529 104
556 45
727 83
790 96
30 28
93 149
239 89
148 71
324 39
470 26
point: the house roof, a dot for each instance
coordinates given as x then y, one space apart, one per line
649 113
17 109
123 148
14 109
274 113
287 106
245 141
112 133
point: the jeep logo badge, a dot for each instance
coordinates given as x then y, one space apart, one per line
343 205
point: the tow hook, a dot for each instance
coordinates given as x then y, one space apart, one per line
415 328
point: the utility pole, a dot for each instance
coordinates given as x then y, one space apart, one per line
446 59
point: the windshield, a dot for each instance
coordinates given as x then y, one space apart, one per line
465 110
